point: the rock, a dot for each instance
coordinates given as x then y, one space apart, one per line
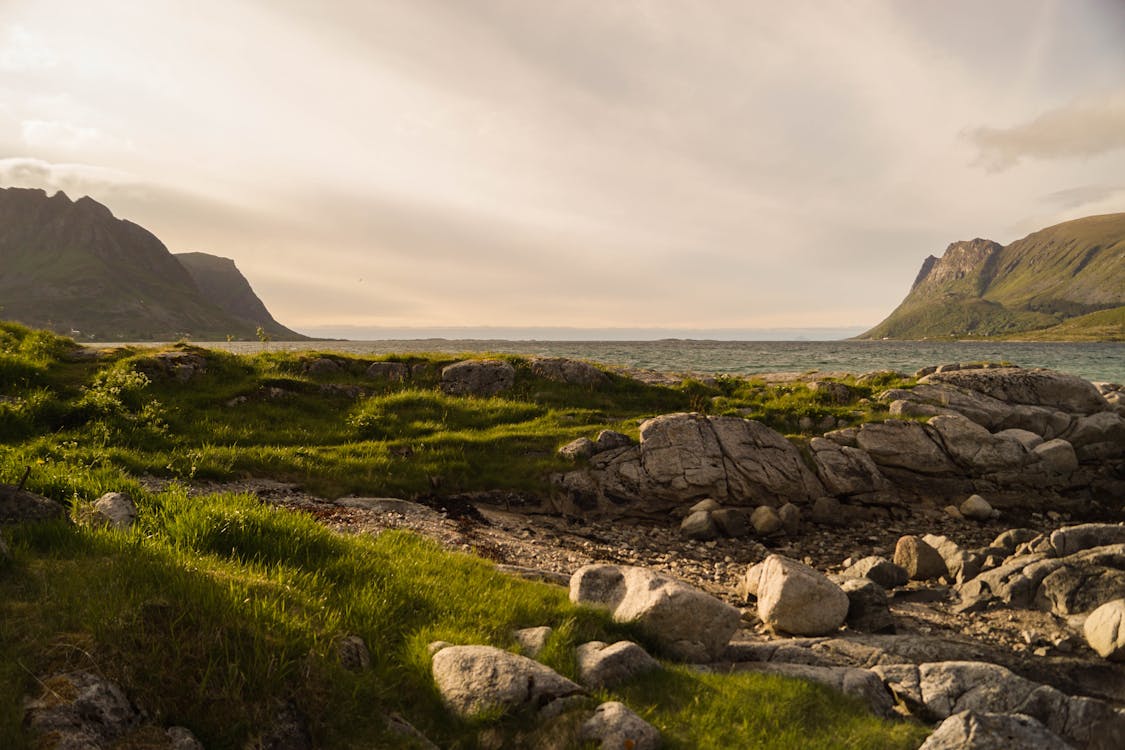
708 505
1105 630
845 470
976 508
478 377
601 665
580 448
790 516
975 448
20 506
868 609
614 727
863 684
827 511
409 734
731 522
920 561
608 440
353 654
699 525
1071 539
904 445
1056 456
686 622
320 366
970 730
79 710
394 372
569 371
1028 439
473 679
1098 436
765 521
181 738
748 585
830 392
794 598
177 365
114 509
959 564
1083 582
880 570
1012 538
287 730
533 640
939 690
1037 387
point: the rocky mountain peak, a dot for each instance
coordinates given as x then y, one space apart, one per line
959 260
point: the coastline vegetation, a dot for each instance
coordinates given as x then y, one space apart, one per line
216 611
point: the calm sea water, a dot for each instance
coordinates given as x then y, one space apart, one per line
1103 361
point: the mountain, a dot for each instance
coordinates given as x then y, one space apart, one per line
1065 282
221 283
72 266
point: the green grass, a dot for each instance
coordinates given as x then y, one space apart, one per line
214 611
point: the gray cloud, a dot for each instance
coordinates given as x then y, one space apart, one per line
1083 128
1084 195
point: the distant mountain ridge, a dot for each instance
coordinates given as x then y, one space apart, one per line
1066 282
72 266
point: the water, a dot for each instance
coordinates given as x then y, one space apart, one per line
1093 361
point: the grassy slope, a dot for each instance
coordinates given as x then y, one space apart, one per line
1036 283
214 611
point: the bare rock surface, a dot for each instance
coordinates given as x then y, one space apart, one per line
970 730
1034 387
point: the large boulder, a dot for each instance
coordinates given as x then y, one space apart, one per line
975 448
1036 387
474 679
920 561
794 598
478 377
689 624
846 471
1098 436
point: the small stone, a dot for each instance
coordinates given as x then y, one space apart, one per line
578 449
827 511
765 521
699 525
533 640
920 561
115 509
790 516
704 505
354 654
976 508
868 609
731 522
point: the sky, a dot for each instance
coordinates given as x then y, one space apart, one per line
635 164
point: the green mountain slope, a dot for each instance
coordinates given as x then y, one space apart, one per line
72 266
1037 284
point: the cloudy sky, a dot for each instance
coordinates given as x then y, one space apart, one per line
647 163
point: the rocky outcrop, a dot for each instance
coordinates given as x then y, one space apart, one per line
682 458
970 730
568 371
688 624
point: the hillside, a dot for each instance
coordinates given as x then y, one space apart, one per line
1054 284
222 284
72 266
